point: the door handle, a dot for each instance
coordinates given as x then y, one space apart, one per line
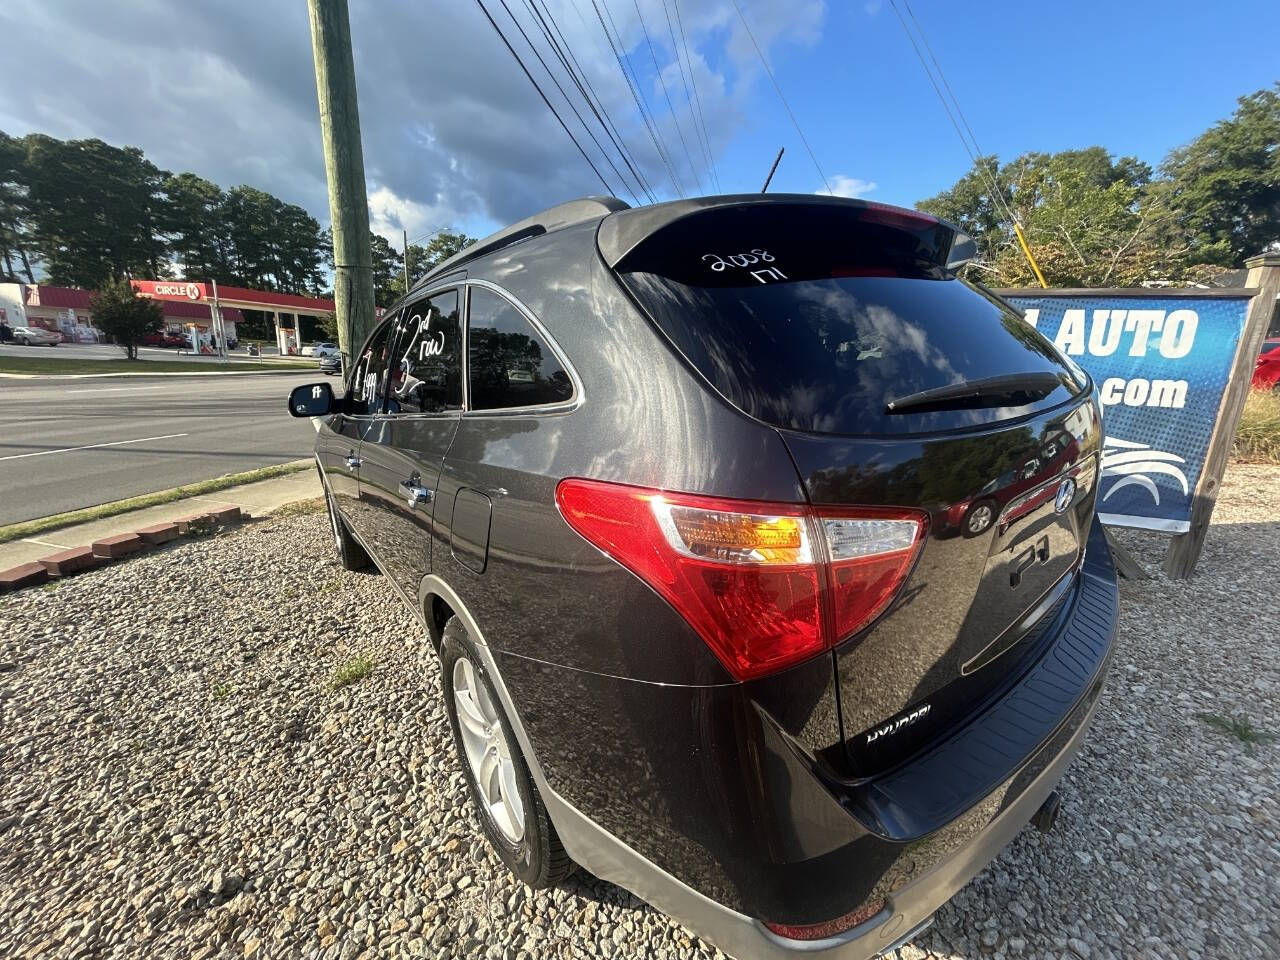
414 493
353 462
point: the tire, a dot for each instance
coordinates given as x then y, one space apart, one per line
530 848
24 341
979 518
351 555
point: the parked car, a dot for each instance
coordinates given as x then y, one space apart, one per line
1266 369
320 350
163 338
36 337
659 484
331 365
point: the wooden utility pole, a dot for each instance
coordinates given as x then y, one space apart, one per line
344 168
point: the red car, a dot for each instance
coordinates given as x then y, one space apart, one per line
162 338
1266 371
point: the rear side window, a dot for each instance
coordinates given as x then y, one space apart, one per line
427 374
509 363
815 318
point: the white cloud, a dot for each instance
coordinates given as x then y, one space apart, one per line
842 186
452 130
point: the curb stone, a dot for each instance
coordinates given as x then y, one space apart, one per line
65 562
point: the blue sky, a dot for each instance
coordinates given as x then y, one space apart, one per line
1135 78
454 135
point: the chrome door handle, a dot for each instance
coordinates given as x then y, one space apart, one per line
414 493
353 462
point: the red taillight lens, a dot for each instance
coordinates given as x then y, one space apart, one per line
755 580
820 931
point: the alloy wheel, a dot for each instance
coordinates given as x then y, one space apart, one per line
487 751
980 519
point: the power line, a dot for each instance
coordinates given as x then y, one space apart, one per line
794 121
981 168
603 153
699 122
986 174
562 48
644 113
670 106
498 30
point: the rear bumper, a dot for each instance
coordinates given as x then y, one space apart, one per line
820 847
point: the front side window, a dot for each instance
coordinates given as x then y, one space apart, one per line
427 374
368 377
509 363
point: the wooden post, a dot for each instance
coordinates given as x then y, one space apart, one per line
344 169
1264 276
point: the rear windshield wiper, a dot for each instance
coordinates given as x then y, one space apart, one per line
1014 389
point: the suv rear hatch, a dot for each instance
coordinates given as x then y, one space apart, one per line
896 385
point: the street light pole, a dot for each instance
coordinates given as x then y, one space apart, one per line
344 169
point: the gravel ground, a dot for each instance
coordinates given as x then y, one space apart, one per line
178 778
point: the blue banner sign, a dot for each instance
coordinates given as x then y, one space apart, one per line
1161 364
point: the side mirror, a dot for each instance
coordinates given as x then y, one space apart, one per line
311 400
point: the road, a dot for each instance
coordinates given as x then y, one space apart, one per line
109 351
66 444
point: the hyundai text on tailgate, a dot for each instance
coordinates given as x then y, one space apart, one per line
759 551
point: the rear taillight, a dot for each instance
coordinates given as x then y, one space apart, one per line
765 585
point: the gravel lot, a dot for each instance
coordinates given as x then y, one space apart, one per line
179 779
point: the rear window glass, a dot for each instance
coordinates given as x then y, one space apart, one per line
815 318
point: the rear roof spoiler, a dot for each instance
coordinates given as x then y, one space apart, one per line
554 218
622 232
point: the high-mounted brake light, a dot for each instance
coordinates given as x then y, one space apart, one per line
766 585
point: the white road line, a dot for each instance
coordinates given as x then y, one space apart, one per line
113 390
92 446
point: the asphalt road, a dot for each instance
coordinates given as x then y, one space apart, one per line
66 444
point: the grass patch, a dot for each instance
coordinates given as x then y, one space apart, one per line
299 508
29 528
1240 727
1258 436
222 690
355 669
55 365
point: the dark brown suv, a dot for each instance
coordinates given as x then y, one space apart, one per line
685 496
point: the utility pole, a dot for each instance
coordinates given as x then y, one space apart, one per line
344 169
406 260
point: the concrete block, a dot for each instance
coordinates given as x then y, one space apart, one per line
159 533
227 514
26 575
121 545
70 561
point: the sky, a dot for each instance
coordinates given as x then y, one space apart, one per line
455 135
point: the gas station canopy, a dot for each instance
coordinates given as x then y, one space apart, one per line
217 297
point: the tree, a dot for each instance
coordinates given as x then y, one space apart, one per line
386 264
1224 186
424 259
94 210
13 212
197 233
1090 220
124 316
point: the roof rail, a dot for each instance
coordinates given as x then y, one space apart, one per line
562 215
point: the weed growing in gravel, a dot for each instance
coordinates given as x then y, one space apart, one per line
357 668
298 508
1241 728
222 690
